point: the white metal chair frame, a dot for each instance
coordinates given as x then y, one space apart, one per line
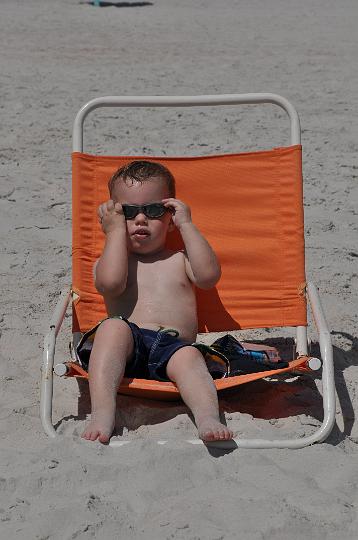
328 386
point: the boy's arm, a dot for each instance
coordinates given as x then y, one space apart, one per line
111 269
201 263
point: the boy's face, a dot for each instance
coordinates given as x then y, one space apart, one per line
144 235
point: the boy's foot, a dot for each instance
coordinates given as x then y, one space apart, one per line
100 427
210 429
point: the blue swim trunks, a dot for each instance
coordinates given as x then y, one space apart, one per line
152 351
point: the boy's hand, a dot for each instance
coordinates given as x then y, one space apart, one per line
180 210
110 216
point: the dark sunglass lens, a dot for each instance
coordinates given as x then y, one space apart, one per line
129 211
155 210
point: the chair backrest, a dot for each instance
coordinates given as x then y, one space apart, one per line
249 206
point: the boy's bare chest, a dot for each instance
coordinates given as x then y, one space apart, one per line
163 274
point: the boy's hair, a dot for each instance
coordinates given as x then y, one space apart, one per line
142 171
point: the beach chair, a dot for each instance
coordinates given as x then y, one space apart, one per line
260 244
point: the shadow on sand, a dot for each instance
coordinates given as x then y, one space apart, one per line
118 4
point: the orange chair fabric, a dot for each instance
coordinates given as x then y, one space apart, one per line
249 207
168 391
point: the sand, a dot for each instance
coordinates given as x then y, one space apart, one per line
55 56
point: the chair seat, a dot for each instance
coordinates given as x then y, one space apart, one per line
167 391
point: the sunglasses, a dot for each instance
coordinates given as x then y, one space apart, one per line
152 211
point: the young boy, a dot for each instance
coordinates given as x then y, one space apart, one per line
147 288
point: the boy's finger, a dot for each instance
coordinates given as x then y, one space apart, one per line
176 203
101 210
169 203
110 205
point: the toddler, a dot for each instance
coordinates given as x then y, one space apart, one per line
149 294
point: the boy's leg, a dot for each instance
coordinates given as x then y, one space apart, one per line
188 370
112 348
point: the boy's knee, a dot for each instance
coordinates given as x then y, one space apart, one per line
114 324
113 335
184 360
115 328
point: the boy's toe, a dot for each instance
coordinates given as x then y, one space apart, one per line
86 435
214 431
103 438
207 436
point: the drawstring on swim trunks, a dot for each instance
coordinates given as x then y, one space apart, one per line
171 331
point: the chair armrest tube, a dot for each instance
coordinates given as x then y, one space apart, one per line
60 309
329 395
46 388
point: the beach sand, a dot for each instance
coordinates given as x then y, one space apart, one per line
56 56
